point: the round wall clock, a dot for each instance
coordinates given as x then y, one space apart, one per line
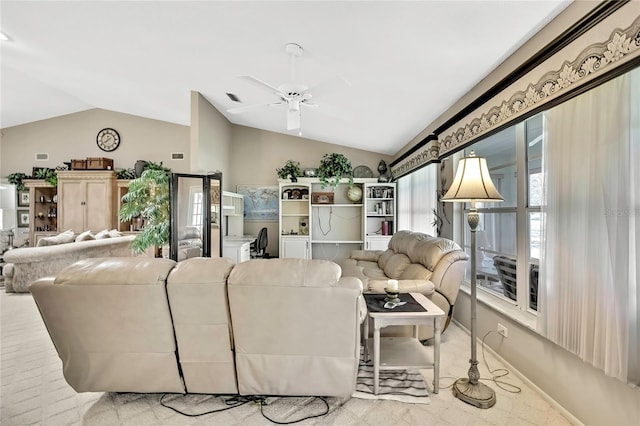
108 139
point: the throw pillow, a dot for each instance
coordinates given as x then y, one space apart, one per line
115 233
85 236
102 235
62 238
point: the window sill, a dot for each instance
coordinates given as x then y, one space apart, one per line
503 307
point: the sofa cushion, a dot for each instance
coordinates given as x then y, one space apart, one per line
429 251
415 271
374 272
62 238
114 233
396 265
404 241
105 271
189 232
384 258
103 234
85 236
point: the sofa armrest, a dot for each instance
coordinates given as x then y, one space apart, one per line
370 255
352 282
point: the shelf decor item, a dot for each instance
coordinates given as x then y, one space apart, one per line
354 194
290 170
334 167
472 184
322 197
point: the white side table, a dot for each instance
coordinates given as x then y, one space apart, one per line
402 353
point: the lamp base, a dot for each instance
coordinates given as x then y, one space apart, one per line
480 395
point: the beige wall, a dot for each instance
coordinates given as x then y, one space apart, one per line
256 154
210 138
73 136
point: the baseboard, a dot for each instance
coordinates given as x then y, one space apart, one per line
525 379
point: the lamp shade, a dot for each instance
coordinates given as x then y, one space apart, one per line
472 182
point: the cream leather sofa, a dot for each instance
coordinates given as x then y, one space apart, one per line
276 327
296 327
27 264
421 263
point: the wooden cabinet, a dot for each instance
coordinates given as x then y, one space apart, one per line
43 209
295 247
87 200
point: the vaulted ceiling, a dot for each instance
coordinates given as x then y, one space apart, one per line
405 62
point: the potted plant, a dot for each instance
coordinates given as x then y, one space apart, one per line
48 175
290 170
16 179
148 198
332 168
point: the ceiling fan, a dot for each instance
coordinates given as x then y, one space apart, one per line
293 95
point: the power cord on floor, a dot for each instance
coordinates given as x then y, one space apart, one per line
498 373
239 400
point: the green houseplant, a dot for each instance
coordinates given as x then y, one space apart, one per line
148 198
48 175
332 168
291 169
16 179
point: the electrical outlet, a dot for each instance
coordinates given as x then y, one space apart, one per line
502 330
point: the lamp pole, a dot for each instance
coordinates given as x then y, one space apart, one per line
471 184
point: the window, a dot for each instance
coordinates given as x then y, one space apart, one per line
196 208
417 200
502 237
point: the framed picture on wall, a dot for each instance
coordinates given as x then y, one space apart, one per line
23 198
23 218
261 202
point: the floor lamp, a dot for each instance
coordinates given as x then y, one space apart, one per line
471 184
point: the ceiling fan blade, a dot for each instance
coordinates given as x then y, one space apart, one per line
293 119
332 85
261 84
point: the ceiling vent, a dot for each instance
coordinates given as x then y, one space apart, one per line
233 97
42 156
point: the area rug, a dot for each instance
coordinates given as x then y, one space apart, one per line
397 385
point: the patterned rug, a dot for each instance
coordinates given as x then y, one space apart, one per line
397 385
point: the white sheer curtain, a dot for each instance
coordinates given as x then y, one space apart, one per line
417 197
588 301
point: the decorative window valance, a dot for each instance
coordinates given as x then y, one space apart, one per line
621 47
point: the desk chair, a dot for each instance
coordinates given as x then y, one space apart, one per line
506 268
259 245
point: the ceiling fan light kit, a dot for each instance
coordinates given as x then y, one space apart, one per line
293 94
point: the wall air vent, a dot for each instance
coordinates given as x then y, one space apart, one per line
177 155
233 97
42 156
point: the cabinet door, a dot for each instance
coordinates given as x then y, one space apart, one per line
377 243
71 209
295 248
97 208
